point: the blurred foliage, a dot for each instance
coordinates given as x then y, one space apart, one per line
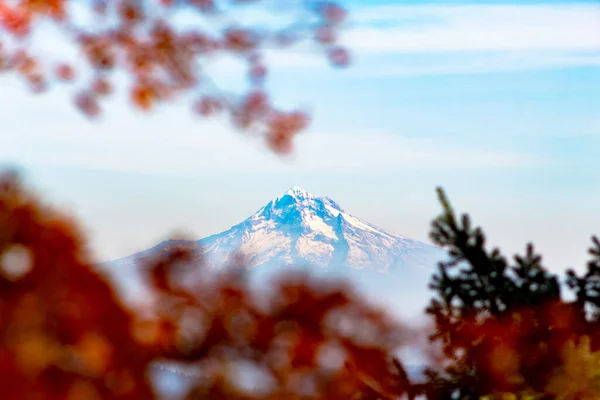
65 335
142 40
579 375
505 331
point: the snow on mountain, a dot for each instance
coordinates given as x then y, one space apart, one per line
303 230
298 228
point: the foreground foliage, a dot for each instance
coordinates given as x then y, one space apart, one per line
505 330
65 335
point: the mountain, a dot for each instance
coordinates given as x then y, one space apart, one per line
300 229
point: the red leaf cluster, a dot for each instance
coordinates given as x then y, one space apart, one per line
520 346
63 334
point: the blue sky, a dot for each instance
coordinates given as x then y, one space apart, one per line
496 101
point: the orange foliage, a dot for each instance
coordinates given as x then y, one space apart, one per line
62 330
306 333
65 335
139 37
521 347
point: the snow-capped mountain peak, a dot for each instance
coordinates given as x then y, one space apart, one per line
298 228
296 207
298 192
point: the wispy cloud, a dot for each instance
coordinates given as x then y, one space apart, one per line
481 63
466 39
433 28
403 40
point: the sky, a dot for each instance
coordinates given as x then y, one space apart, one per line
498 102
